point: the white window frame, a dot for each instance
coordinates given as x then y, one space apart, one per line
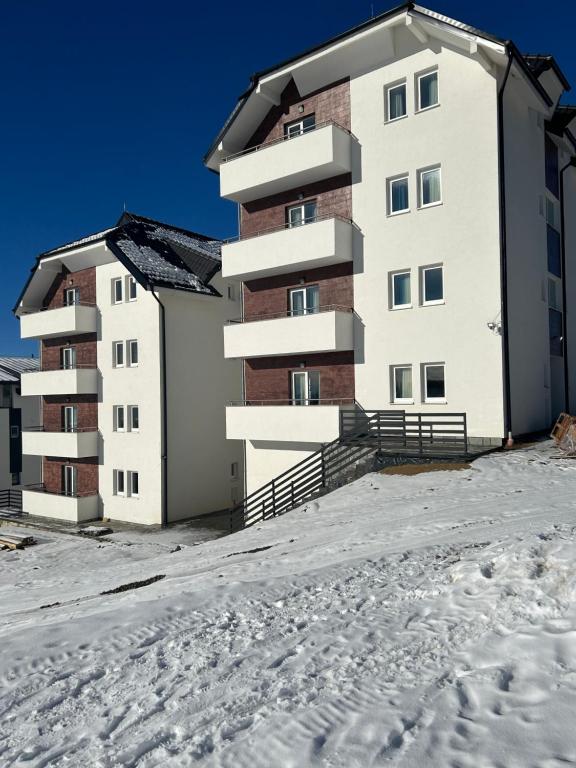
70 477
397 273
119 473
299 124
116 345
432 302
130 490
389 184
302 207
75 292
234 470
119 409
401 400
115 282
70 424
389 89
306 310
307 377
425 367
131 409
131 283
231 292
71 353
129 356
421 173
419 77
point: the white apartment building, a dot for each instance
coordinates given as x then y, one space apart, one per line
406 243
133 378
16 413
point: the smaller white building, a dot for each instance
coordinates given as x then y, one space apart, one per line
16 413
133 378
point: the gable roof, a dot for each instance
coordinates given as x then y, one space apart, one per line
12 367
156 254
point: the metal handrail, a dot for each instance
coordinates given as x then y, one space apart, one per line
63 430
61 306
41 488
61 367
292 313
286 137
287 225
290 401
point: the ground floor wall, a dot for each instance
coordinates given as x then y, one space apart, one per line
87 474
267 460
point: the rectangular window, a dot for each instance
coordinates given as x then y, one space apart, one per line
234 470
131 288
398 195
231 293
132 352
402 384
427 90
68 358
305 213
117 291
305 301
434 383
552 167
14 432
133 483
401 293
134 412
119 418
432 285
69 418
396 102
552 213
118 354
298 127
69 480
305 388
554 294
119 483
554 252
430 187
556 332
71 297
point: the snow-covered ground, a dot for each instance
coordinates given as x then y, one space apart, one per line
412 621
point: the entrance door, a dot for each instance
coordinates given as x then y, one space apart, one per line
69 480
70 418
305 388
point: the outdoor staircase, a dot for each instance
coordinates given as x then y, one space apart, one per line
11 499
364 435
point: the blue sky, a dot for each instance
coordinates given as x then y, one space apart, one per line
111 103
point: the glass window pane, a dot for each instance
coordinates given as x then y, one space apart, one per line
135 416
435 381
401 288
403 383
552 167
397 102
299 387
428 90
133 353
313 388
118 290
309 211
399 195
431 192
295 216
134 483
433 284
308 123
297 302
132 288
556 331
554 255
312 299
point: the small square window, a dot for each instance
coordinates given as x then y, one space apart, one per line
119 482
132 288
118 354
133 483
402 384
119 418
396 102
134 412
427 90
117 291
398 195
132 353
430 187
401 293
434 383
432 285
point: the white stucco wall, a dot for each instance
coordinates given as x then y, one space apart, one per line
462 234
200 383
570 311
5 476
130 451
267 460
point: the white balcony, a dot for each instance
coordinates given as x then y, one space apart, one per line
322 243
329 330
76 509
72 381
278 166
283 423
63 321
72 445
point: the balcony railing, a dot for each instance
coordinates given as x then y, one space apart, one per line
59 430
282 139
292 313
41 488
288 225
291 401
34 310
47 366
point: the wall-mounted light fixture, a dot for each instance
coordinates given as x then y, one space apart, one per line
301 108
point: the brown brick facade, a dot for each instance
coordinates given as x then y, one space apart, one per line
87 474
85 345
84 280
86 405
269 378
270 295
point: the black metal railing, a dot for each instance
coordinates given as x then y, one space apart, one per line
286 137
292 313
289 225
41 488
60 366
59 430
362 433
11 498
298 403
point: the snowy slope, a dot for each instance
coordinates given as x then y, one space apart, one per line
408 621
